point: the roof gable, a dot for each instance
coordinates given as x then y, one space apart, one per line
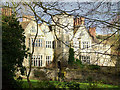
24 24
81 30
29 25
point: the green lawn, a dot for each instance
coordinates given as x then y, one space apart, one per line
25 83
58 84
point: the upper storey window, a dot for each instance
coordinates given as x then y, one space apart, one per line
37 43
33 29
44 30
81 34
48 44
85 44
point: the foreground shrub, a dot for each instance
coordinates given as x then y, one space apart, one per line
79 63
67 85
92 83
41 75
45 84
94 67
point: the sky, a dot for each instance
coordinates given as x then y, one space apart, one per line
59 0
85 8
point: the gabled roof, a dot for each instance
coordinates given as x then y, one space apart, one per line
24 24
94 40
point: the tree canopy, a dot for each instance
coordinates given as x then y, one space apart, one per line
13 51
71 56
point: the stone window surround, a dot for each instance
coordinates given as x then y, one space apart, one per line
37 60
48 59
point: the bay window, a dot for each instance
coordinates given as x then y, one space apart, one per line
37 60
48 60
85 59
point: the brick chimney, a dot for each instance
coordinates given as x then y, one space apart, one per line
92 31
79 21
27 18
6 11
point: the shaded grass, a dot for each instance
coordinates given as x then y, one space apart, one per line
58 84
25 83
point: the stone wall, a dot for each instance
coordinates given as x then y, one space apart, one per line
82 75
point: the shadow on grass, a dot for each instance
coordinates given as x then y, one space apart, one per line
57 84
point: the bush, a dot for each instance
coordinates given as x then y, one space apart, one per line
79 63
94 67
45 84
92 83
41 75
67 85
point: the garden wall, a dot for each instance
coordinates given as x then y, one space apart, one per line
105 75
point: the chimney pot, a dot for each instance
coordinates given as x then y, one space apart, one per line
92 31
79 21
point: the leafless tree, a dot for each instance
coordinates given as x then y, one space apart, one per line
98 14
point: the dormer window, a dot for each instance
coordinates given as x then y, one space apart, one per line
44 31
33 29
81 34
67 43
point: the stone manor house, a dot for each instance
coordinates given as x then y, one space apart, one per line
54 42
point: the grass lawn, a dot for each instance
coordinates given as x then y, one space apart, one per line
58 84
25 83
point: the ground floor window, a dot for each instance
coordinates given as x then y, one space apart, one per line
48 60
37 60
85 59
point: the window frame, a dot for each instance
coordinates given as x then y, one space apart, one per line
48 59
85 44
48 44
37 60
38 42
85 59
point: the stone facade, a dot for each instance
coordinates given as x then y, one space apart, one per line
43 46
67 32
63 33
86 46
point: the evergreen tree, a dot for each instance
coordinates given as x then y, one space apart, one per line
71 56
13 51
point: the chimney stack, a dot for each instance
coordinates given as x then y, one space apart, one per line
79 21
6 11
82 20
92 31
